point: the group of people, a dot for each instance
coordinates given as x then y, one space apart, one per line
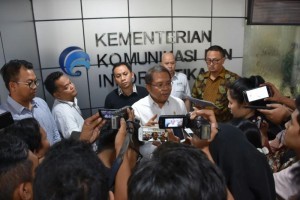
236 162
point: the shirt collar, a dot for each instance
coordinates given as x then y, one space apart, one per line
175 77
120 91
152 102
70 103
18 107
222 73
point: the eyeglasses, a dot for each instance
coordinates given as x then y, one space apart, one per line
31 83
162 85
214 61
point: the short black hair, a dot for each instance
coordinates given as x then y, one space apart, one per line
11 70
15 167
216 48
50 81
121 63
71 170
177 171
152 70
28 130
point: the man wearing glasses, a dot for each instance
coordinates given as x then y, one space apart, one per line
212 85
21 82
158 102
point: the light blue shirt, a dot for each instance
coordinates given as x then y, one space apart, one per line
40 111
67 116
180 86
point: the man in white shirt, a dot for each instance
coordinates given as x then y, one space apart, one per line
65 110
180 86
159 101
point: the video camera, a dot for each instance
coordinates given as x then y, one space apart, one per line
114 116
111 127
200 126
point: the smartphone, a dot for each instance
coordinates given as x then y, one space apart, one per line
150 134
172 121
257 94
6 119
258 107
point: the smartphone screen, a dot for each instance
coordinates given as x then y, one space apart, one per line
169 121
106 113
173 122
152 134
257 94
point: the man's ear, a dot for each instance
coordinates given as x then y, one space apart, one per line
132 77
25 191
56 95
111 195
148 87
223 60
11 86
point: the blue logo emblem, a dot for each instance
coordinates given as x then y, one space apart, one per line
73 57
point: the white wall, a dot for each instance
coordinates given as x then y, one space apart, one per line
17 37
60 24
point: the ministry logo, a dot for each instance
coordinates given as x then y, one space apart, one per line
73 57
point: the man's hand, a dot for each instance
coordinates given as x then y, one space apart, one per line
120 137
152 121
130 113
210 116
91 128
172 137
278 97
206 114
278 114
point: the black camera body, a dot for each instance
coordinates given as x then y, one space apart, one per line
114 116
112 125
200 126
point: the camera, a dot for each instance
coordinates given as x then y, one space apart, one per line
199 125
114 116
111 127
